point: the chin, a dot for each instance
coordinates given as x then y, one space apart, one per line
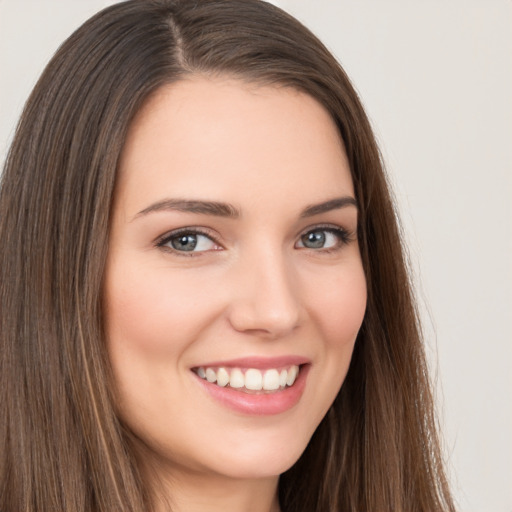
236 454
263 464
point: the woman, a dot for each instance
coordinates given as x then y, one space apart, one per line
205 304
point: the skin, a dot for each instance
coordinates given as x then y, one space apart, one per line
252 289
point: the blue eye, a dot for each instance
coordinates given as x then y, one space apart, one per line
188 241
323 238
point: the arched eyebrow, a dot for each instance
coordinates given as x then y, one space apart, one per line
327 206
228 210
193 206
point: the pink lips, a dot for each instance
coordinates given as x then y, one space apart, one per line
259 403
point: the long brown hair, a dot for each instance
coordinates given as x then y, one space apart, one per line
62 446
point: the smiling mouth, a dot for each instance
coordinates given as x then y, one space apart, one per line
250 380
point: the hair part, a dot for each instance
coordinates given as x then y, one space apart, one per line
63 445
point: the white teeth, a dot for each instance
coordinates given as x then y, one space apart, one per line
211 376
271 380
236 380
253 379
292 375
222 377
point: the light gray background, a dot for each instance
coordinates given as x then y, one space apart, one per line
436 79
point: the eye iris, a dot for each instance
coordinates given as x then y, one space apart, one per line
314 239
184 242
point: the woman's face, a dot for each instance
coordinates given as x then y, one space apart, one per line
233 262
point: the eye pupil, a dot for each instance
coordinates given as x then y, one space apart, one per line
314 239
184 242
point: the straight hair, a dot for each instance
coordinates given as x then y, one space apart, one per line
62 444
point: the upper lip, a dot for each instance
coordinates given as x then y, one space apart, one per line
259 363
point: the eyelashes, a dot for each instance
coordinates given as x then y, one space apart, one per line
194 241
189 241
324 238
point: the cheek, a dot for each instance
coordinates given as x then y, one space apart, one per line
336 308
153 316
339 307
339 311
154 311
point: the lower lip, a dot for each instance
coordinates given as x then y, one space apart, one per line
263 404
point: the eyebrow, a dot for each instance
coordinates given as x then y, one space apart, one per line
193 206
327 206
228 210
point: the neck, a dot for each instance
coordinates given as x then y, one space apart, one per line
213 493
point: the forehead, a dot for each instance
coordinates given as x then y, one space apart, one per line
217 137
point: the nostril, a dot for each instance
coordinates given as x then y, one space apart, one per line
271 324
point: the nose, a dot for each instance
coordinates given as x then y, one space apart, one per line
265 299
